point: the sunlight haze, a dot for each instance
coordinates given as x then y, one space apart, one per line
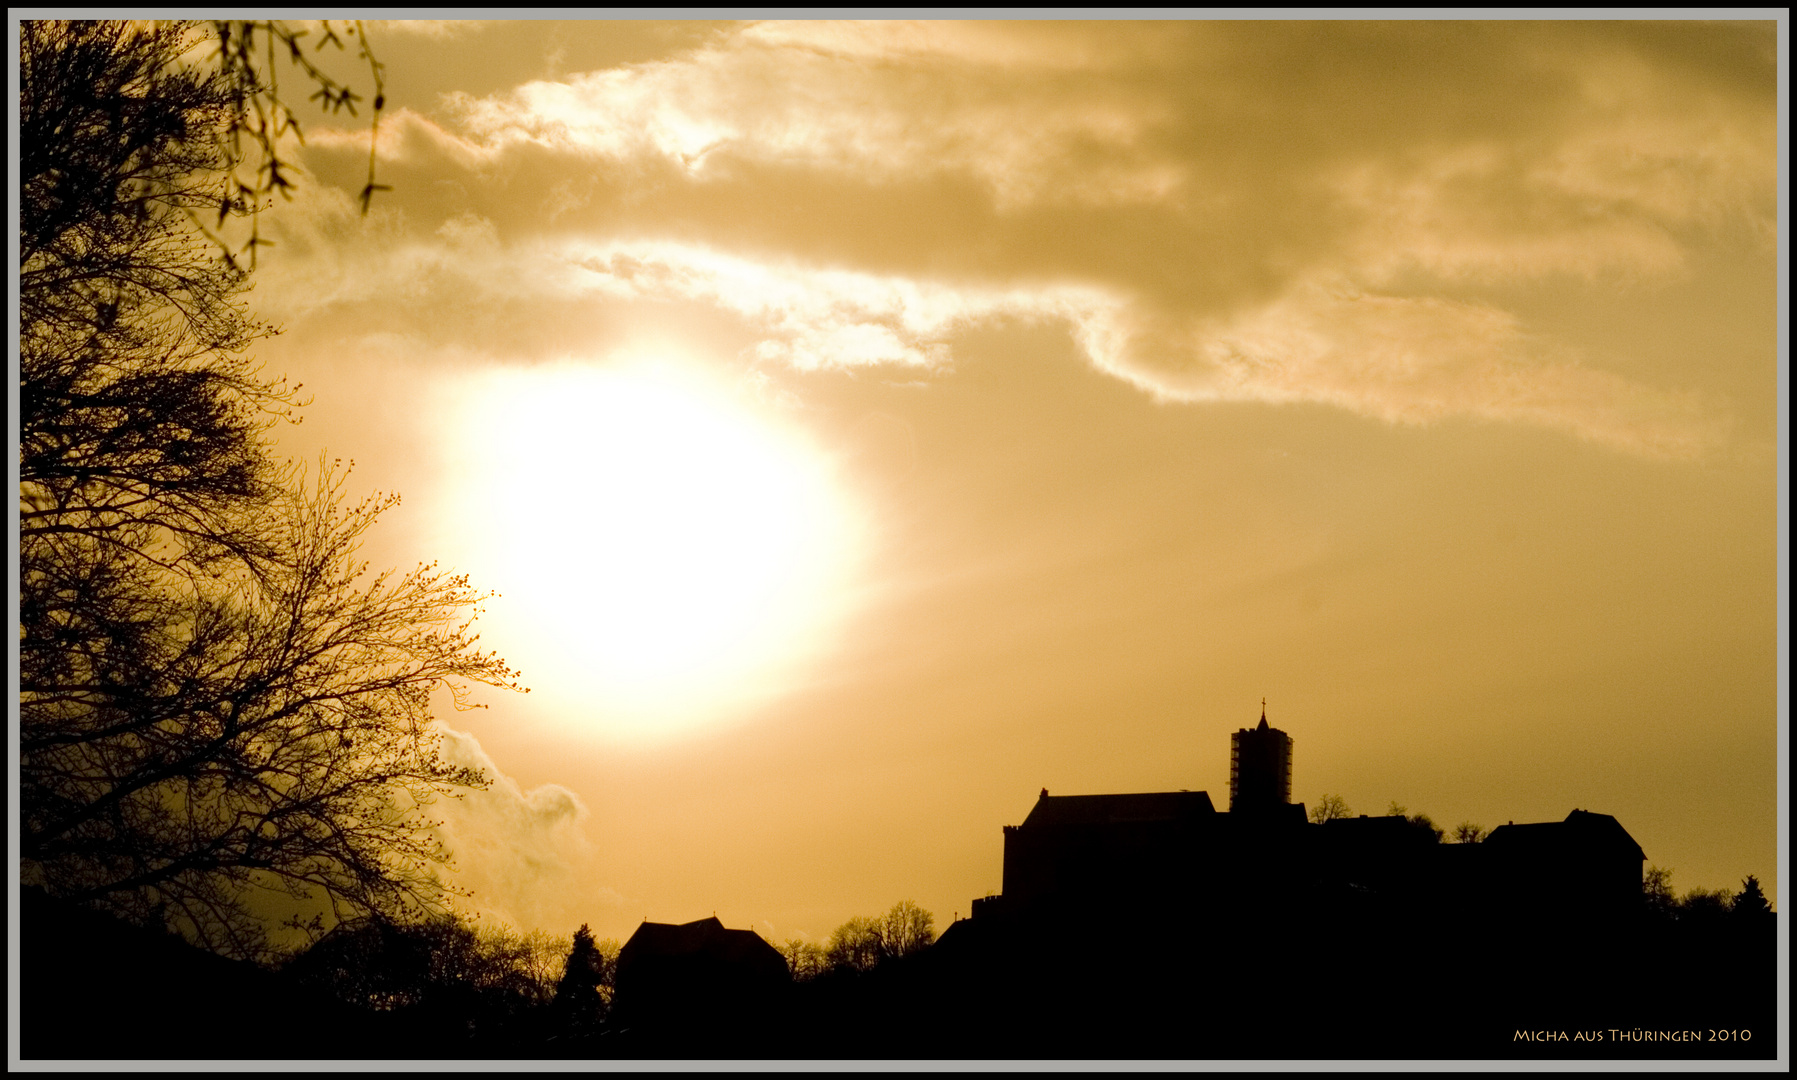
658 547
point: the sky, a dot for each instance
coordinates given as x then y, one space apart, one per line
866 425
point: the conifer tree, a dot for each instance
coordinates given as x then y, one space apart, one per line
579 1006
1750 903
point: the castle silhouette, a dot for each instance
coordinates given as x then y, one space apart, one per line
1163 852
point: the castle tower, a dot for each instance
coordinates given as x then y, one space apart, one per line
1260 767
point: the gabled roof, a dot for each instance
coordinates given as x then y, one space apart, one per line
1581 831
1116 809
703 936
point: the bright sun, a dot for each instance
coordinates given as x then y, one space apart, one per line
664 552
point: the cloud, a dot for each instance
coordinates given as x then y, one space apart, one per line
404 136
805 317
1217 212
521 853
813 317
435 29
1400 359
1016 46
1406 360
1486 115
809 96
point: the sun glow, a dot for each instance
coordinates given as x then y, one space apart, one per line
663 552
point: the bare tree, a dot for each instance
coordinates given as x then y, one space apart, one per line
1657 894
541 955
805 959
141 422
1330 808
118 150
204 736
855 945
1468 833
247 58
906 929
95 83
863 943
216 696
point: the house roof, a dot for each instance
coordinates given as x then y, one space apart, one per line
703 936
1116 809
1393 834
1582 830
1383 825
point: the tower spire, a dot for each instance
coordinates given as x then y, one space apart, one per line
1260 767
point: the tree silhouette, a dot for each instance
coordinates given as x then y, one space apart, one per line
1657 895
1425 825
246 55
805 959
863 943
1750 903
1702 908
1419 821
579 1004
540 955
855 945
452 976
105 86
905 930
215 697
1330 808
1468 833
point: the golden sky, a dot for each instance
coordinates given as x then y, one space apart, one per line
869 424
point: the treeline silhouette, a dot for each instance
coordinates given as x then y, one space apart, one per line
440 986
1291 975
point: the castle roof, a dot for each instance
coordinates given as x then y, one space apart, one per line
1116 809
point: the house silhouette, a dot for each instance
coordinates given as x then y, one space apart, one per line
696 975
